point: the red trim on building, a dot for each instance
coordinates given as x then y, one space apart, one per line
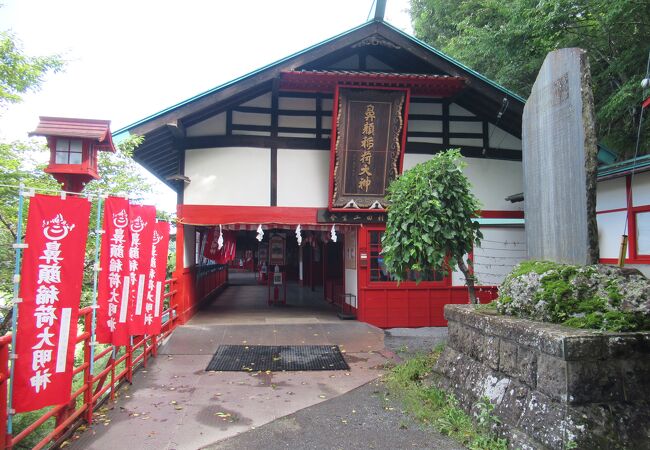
501 214
221 215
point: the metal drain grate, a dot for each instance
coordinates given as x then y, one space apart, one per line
253 358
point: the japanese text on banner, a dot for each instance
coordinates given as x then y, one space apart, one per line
50 288
142 224
114 283
156 279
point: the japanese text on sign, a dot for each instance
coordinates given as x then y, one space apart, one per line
367 144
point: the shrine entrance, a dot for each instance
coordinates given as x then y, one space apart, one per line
276 278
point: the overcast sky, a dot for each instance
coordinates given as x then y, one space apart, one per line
129 59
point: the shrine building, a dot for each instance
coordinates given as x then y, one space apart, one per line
312 141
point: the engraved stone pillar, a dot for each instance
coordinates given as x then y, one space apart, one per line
559 159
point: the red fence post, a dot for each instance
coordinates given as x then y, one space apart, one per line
129 363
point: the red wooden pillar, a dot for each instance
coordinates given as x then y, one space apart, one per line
178 300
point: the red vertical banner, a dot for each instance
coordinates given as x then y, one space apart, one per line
50 288
113 287
156 279
211 244
142 225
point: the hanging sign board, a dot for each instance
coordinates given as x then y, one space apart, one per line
367 146
277 250
50 289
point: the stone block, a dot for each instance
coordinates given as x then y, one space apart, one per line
512 405
490 354
594 381
636 379
584 347
627 345
552 377
527 366
543 420
508 358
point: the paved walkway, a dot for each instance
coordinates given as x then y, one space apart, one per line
175 404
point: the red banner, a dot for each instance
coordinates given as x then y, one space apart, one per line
142 225
224 254
156 280
113 290
50 288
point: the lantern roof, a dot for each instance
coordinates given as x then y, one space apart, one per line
93 129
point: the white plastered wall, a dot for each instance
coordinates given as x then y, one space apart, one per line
501 249
214 126
492 180
303 178
610 194
351 286
641 189
228 176
189 249
610 229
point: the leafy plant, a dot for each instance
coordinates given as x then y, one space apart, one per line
430 219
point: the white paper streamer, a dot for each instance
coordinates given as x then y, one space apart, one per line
260 233
220 240
333 233
299 235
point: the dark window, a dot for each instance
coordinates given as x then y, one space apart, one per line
68 151
378 270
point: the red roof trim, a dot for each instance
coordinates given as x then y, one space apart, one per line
326 81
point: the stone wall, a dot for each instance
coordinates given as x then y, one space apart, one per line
550 384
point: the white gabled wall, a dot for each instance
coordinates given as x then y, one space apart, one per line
492 180
228 176
303 178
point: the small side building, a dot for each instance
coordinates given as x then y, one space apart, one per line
262 150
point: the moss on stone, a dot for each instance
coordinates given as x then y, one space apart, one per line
596 297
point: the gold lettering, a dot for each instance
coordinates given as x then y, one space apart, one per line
365 170
364 184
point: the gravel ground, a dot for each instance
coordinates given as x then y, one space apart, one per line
365 418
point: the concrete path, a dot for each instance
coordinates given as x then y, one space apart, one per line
175 404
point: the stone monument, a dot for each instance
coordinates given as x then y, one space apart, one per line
559 160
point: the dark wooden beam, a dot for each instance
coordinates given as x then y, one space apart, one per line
200 142
425 148
319 116
274 134
229 122
445 124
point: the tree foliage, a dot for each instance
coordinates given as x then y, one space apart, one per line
507 41
20 73
22 163
430 218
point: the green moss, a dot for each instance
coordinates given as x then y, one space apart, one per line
538 267
579 296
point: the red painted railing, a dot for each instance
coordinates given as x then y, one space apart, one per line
89 390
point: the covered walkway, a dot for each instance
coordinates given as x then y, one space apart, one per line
175 404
